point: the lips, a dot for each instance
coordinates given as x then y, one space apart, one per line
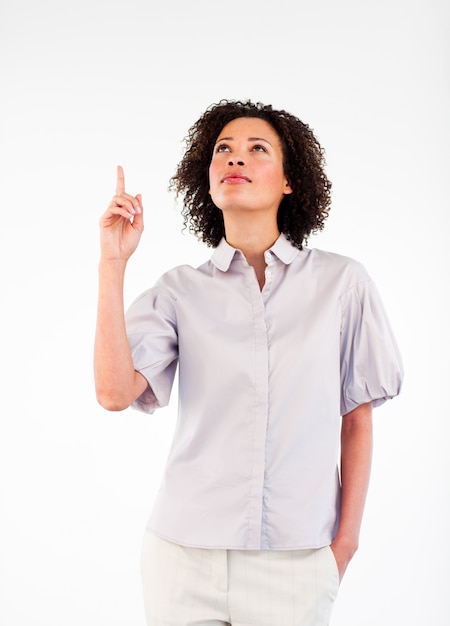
235 179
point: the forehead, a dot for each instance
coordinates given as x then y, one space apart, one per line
249 127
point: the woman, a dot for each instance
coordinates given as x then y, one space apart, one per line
256 521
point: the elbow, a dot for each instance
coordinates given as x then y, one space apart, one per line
112 401
114 394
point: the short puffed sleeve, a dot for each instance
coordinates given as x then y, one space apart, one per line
152 337
371 365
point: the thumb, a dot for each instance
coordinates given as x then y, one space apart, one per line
138 218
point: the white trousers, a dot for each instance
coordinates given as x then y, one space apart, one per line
202 587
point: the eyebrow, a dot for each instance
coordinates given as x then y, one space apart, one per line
249 139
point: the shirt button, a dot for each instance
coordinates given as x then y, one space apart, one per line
267 256
268 273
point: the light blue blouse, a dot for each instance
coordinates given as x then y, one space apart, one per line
264 377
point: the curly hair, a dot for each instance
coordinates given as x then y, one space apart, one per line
300 213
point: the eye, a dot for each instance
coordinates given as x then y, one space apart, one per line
223 147
259 148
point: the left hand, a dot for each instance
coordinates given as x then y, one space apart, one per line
343 553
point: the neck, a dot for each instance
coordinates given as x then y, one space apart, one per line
253 239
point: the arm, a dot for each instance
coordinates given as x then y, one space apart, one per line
117 383
356 458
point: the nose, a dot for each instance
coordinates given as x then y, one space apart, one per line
238 162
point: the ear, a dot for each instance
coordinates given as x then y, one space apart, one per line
287 188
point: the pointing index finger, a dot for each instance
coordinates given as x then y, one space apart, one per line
120 186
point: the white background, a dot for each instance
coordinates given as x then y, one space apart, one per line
89 84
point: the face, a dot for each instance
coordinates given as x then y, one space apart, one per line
246 170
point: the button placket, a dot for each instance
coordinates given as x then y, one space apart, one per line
259 414
268 271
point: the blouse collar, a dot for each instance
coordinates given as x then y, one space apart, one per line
224 254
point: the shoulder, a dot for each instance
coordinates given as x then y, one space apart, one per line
331 260
178 278
177 281
343 271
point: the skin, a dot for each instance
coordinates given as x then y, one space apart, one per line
249 207
117 383
356 459
250 217
251 148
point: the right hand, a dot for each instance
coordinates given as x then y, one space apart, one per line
122 223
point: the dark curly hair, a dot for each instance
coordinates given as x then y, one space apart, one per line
300 213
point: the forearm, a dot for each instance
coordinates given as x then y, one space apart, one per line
356 459
113 366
